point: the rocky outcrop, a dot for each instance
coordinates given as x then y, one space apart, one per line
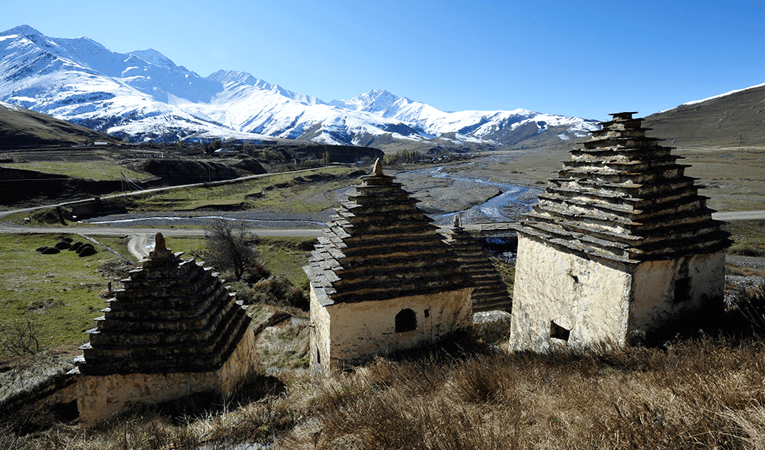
186 171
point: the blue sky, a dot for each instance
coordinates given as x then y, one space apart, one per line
577 58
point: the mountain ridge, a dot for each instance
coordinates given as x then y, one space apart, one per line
143 95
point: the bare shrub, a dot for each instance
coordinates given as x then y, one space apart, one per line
276 290
750 305
230 246
21 337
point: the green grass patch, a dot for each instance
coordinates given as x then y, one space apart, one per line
58 292
191 245
98 170
117 243
506 272
277 192
284 257
748 237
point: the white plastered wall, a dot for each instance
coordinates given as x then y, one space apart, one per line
588 298
654 303
100 397
352 332
604 303
319 342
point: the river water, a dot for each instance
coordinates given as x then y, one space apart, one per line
499 201
512 201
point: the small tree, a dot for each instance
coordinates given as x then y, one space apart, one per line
230 246
20 337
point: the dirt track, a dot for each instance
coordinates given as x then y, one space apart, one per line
142 239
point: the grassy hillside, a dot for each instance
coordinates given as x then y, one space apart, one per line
21 127
58 293
733 121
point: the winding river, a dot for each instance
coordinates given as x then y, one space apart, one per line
506 202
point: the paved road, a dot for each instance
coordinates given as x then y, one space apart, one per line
141 239
739 215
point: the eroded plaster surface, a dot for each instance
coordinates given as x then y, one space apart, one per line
353 332
667 290
585 297
599 302
619 248
100 397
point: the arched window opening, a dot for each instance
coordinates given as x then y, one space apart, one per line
406 320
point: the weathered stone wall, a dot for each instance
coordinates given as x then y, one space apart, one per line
102 397
661 296
361 330
596 302
583 296
319 343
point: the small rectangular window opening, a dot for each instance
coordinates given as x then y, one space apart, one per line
682 290
558 332
427 313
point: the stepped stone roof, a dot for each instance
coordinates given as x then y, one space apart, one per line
379 246
173 315
623 197
490 293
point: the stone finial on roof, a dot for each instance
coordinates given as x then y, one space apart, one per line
457 222
622 115
159 242
377 170
161 252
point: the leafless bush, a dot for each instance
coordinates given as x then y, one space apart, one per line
279 291
230 246
20 337
750 305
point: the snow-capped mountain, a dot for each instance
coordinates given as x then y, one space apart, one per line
143 95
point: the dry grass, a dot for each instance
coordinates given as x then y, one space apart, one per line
282 192
705 392
95 169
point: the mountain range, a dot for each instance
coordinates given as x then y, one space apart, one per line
143 96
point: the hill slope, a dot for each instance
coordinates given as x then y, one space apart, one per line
733 119
20 127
